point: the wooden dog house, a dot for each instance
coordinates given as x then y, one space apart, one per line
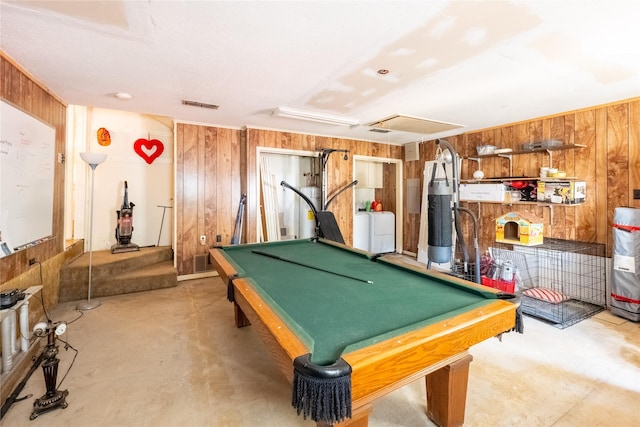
519 228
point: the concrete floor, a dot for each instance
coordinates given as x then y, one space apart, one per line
173 357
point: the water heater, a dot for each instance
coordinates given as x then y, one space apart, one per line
307 220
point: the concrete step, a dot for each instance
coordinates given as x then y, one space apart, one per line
115 274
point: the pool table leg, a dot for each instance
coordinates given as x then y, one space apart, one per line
447 393
359 418
241 319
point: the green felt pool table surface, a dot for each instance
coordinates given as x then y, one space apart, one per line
332 313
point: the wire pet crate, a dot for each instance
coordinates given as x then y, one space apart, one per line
561 281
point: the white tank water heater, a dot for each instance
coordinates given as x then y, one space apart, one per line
307 220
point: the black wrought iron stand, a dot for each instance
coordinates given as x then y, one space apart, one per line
53 398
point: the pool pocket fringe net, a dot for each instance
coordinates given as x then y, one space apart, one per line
322 393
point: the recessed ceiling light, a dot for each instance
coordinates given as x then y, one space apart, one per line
123 95
383 71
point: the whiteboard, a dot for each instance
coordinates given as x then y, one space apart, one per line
27 162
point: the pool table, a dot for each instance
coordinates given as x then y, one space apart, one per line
347 327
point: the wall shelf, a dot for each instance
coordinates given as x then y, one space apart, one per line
518 178
534 150
509 155
543 204
540 204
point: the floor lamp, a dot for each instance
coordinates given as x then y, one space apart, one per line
93 159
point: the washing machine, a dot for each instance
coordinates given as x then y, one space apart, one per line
382 232
361 233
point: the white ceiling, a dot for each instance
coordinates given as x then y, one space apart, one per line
475 63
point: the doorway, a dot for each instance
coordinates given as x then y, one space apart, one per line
282 214
383 183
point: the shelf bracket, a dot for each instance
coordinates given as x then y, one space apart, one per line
510 157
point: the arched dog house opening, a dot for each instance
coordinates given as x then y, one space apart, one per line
519 228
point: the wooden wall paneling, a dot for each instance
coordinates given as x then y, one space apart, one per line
389 189
375 149
385 150
566 162
228 194
540 159
310 143
521 135
265 138
299 141
532 162
487 137
212 183
201 166
354 149
37 106
318 142
231 138
468 146
261 139
5 74
243 172
15 90
348 197
365 148
410 170
600 191
507 140
26 91
285 140
183 132
190 213
252 189
179 192
618 162
634 151
342 206
236 177
556 131
584 217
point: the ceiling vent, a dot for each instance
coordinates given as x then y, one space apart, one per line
399 122
200 104
379 130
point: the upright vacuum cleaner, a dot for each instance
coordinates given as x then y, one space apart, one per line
124 229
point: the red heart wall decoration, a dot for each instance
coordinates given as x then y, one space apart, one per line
148 149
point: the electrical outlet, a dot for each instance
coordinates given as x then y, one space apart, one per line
32 261
203 240
218 238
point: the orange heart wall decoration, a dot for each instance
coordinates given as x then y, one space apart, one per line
148 149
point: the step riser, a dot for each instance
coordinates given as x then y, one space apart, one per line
105 266
115 274
118 287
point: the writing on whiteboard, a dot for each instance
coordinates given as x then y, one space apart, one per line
27 163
